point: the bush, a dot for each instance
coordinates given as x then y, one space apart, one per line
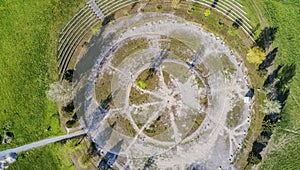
207 13
253 159
142 84
159 7
70 123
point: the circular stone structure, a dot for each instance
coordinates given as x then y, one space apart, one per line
157 88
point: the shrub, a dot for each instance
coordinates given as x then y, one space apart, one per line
159 7
142 84
207 13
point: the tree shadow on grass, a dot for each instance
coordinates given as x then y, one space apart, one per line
278 81
266 37
69 108
156 63
269 59
271 77
106 103
286 75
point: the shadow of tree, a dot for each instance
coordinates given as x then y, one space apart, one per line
286 75
69 108
277 81
93 149
282 95
215 3
106 103
84 68
104 135
271 77
108 19
150 161
237 23
156 62
110 157
269 59
134 5
266 37
259 144
68 75
279 89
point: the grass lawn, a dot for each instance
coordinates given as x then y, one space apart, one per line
285 146
28 42
43 158
285 16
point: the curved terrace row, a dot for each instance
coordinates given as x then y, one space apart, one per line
95 11
81 24
232 10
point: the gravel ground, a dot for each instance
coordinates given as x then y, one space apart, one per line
213 144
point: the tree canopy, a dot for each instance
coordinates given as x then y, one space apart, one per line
256 55
271 106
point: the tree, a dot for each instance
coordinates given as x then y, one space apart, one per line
70 123
60 92
256 55
253 159
271 106
68 75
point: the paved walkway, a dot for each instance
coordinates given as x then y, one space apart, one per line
42 143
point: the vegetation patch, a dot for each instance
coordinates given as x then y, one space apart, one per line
201 69
129 47
103 89
227 64
141 83
148 80
196 124
137 97
180 50
122 125
161 124
167 78
199 82
233 116
207 12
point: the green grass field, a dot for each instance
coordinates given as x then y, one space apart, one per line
285 146
28 42
285 16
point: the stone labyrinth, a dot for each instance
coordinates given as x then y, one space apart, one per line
157 86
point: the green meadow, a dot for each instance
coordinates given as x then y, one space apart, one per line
29 33
285 148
